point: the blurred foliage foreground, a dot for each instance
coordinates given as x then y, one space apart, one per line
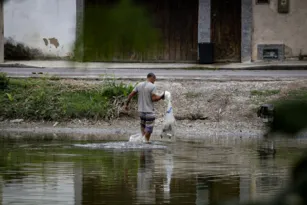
290 113
290 118
116 31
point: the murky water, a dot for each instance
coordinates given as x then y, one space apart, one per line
130 173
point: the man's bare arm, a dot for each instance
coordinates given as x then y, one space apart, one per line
156 98
130 96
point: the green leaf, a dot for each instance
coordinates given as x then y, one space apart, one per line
10 97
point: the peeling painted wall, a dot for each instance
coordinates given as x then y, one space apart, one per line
48 25
271 27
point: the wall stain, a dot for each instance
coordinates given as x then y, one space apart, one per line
288 51
46 41
54 42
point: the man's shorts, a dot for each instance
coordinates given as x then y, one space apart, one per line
147 121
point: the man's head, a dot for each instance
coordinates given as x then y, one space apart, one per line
151 77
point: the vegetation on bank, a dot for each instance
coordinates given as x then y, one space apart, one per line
264 93
48 98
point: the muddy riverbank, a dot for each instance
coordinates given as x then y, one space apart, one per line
202 109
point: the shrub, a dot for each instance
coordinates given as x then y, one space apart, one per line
4 81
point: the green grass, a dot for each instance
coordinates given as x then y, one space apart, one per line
192 95
4 81
264 93
300 93
47 99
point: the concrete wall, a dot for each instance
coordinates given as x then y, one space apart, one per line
204 21
45 24
1 33
271 27
246 29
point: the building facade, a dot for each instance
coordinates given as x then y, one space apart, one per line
279 26
239 31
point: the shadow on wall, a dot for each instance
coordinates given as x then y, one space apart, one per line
18 51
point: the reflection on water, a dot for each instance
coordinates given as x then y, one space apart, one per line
122 146
145 187
124 173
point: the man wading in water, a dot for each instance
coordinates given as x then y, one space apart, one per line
147 94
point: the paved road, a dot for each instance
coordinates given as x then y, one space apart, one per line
161 74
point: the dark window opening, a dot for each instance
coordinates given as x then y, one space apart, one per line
270 54
262 1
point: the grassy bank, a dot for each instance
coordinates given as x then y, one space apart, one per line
51 99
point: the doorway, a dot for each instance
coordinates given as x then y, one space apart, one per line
226 30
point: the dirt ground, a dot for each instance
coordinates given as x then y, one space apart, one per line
202 108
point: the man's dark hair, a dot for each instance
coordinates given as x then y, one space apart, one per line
149 75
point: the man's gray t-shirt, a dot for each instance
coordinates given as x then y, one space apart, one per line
145 91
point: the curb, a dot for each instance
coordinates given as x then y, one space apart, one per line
178 79
197 67
271 67
17 65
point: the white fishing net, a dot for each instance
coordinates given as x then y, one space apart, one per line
168 129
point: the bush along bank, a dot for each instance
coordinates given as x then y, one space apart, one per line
47 99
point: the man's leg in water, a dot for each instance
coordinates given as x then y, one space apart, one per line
147 124
147 136
143 123
143 129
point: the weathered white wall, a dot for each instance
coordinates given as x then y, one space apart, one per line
35 22
289 29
